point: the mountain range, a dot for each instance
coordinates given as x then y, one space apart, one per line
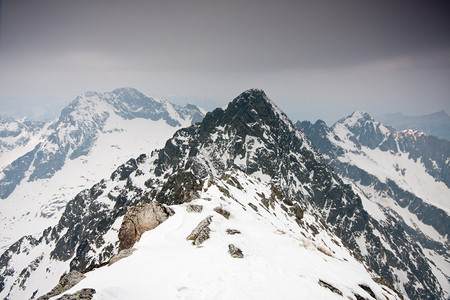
437 124
44 165
306 229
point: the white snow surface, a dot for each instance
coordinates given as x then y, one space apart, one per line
282 260
36 205
407 173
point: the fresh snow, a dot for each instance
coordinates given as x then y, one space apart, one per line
36 205
281 259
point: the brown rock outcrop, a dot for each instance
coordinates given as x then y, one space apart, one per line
139 219
84 294
201 232
66 282
235 251
194 208
223 212
122 254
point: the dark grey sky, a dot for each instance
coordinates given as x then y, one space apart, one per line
316 59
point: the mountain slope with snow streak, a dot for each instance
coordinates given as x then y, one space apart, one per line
402 177
94 134
282 259
250 135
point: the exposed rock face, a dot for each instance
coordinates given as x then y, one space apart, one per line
251 135
233 231
122 254
84 294
235 251
201 232
385 166
330 287
253 206
222 212
194 208
139 219
66 282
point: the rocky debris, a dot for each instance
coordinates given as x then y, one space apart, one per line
330 287
297 211
235 251
187 195
201 232
222 212
66 282
122 254
385 282
84 294
194 208
368 290
140 218
232 231
255 208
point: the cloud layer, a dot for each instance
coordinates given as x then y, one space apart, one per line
315 58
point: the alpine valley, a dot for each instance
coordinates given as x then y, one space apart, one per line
240 205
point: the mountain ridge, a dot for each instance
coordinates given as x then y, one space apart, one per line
403 173
255 139
94 133
437 124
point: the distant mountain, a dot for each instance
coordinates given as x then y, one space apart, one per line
252 136
437 124
45 165
17 137
403 178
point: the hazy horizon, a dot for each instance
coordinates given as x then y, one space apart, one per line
315 59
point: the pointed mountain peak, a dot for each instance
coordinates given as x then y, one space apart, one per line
248 109
254 97
128 92
360 115
357 117
251 95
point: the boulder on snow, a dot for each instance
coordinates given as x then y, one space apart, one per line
330 287
232 231
222 212
201 232
255 208
66 282
122 254
83 294
194 208
235 251
140 218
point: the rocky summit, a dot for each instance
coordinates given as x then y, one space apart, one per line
271 205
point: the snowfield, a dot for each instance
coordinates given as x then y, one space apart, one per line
282 260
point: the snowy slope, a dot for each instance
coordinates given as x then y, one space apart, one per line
402 177
408 173
17 137
95 133
282 260
251 135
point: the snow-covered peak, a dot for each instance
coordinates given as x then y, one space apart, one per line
411 133
357 117
128 92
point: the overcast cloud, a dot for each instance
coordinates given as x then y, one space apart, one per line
315 59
